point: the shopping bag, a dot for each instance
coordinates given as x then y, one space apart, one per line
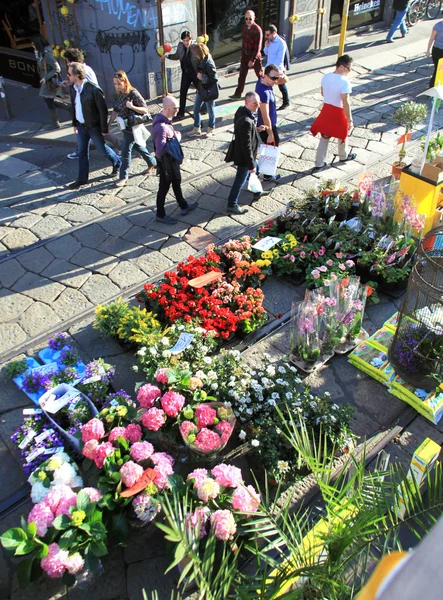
268 159
122 123
141 135
254 184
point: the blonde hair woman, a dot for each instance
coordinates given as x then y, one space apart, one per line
207 90
130 106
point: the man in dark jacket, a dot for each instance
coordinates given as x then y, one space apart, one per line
246 143
90 121
401 8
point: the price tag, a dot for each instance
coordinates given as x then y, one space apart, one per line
28 438
148 477
32 411
42 436
183 342
267 243
34 454
74 402
46 369
114 403
52 404
55 450
92 379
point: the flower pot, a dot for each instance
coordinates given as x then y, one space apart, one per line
296 278
397 168
395 289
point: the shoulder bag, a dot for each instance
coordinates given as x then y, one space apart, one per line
53 83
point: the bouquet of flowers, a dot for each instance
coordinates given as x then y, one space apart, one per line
97 381
328 270
119 410
55 471
63 535
239 263
206 429
304 331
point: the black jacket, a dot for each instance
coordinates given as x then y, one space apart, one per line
246 140
95 111
400 5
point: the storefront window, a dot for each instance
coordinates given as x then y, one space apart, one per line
361 12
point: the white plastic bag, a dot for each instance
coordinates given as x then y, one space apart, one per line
268 159
254 184
141 134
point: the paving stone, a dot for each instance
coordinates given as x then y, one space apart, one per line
140 216
177 251
268 205
126 274
198 238
37 318
19 238
279 295
10 271
82 214
87 199
26 221
252 217
108 202
379 313
38 288
91 236
146 542
177 230
98 289
60 209
116 225
209 205
130 192
207 185
152 262
124 249
149 575
323 380
64 248
94 260
111 585
66 273
222 227
11 334
417 432
292 149
36 260
71 303
49 226
12 305
356 142
144 237
367 134
92 343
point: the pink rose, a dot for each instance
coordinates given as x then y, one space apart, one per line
93 430
153 419
147 395
133 433
161 376
172 403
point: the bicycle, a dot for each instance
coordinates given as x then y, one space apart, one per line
421 8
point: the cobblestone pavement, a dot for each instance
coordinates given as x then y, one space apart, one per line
62 252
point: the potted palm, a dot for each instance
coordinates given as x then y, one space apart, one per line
408 116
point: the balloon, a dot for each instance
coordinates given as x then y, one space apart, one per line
321 11
160 51
206 38
64 10
294 18
201 39
66 43
167 47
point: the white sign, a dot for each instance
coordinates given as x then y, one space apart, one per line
46 369
32 411
54 450
44 435
183 342
28 438
52 404
364 7
266 243
34 454
92 379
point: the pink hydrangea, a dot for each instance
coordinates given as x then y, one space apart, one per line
153 419
89 449
205 415
64 508
93 430
207 441
162 458
133 433
227 475
198 520
172 403
197 475
188 427
55 562
94 494
245 499
141 451
208 488
101 452
58 494
223 524
75 563
163 467
161 376
225 429
147 395
131 472
116 433
42 516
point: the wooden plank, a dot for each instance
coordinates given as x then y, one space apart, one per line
206 279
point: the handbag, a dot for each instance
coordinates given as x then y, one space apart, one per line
174 149
141 134
53 83
207 94
268 159
254 184
231 151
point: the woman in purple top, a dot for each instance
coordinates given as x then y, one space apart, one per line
436 43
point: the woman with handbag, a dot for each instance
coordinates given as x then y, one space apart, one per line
131 112
49 70
207 90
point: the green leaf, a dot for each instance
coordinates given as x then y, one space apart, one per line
25 547
116 477
92 563
67 539
98 529
85 527
98 549
23 522
120 526
24 569
97 515
90 509
12 538
82 500
176 483
43 551
62 522
68 579
32 529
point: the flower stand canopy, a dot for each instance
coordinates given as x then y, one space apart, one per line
416 352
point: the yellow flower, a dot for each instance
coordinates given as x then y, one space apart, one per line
266 254
121 411
276 253
285 247
78 516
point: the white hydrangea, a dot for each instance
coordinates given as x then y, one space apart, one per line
64 475
38 492
207 360
142 351
164 341
153 351
270 370
255 443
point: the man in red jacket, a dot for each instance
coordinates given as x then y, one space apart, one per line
252 39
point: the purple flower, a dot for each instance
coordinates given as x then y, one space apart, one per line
58 341
34 382
69 356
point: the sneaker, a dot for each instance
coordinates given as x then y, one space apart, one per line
166 220
185 211
317 169
351 156
236 210
235 97
121 183
115 170
73 155
76 184
283 106
196 131
210 131
271 177
260 195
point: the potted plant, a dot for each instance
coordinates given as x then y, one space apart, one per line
408 116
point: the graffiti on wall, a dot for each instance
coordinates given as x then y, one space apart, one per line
122 44
129 13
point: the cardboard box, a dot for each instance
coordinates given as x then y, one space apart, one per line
433 171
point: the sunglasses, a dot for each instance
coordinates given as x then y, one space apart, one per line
118 76
274 78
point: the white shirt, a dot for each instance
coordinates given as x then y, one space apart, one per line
78 103
90 75
333 86
275 52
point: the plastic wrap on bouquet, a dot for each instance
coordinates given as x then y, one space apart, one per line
326 301
305 341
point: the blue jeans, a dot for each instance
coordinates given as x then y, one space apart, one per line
84 140
127 145
198 103
399 21
240 179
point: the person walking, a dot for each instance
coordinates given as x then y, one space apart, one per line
49 70
76 55
246 142
252 40
188 64
131 108
275 50
401 8
268 108
169 158
207 89
436 43
335 118
90 121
